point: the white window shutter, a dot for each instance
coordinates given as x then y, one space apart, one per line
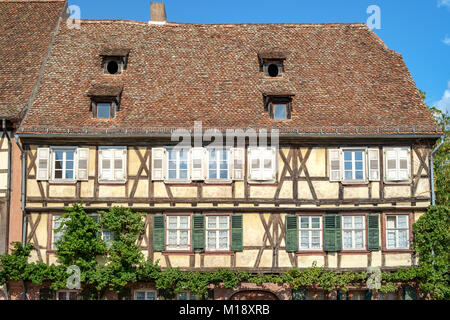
158 164
404 157
120 163
83 164
374 164
43 165
268 164
254 164
105 164
391 164
197 156
237 162
334 159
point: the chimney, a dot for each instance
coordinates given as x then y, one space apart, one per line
157 13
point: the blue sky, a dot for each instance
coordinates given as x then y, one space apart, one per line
418 29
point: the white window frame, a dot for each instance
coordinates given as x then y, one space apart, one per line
310 231
397 167
189 296
123 158
396 230
177 163
217 231
54 218
353 230
67 293
178 230
53 159
364 163
145 291
261 158
218 161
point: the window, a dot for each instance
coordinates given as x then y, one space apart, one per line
310 233
103 110
145 295
278 107
218 164
63 164
186 295
57 234
262 164
397 164
354 165
66 295
357 295
108 237
388 296
178 164
178 233
315 295
353 232
114 60
397 232
217 233
112 164
272 67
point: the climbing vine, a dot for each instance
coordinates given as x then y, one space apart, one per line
115 264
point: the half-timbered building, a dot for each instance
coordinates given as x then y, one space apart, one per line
341 188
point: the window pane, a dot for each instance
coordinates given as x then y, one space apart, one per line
70 155
358 222
402 221
315 223
223 222
304 239
347 239
69 174
347 222
391 239
390 222
184 222
358 155
140 295
347 165
280 111
403 239
359 239
348 175
212 222
347 155
103 110
358 165
304 222
182 296
359 175
151 295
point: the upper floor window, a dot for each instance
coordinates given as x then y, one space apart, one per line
178 233
397 164
310 228
354 165
217 233
178 164
218 164
262 164
397 232
353 232
63 163
57 229
278 107
105 100
112 164
272 63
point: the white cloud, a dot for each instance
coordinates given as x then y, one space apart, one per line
444 103
446 40
444 3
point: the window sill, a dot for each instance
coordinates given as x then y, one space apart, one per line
353 182
311 252
398 182
262 182
224 181
397 250
177 181
112 181
62 181
181 252
355 251
217 252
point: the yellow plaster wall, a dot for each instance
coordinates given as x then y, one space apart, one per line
212 261
62 191
353 261
398 259
221 191
316 163
397 191
308 261
356 192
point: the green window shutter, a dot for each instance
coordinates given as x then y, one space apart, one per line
373 232
198 233
333 237
409 293
368 295
236 232
299 294
291 233
159 243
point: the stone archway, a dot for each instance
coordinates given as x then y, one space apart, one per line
254 295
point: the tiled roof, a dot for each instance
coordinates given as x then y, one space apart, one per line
341 76
26 29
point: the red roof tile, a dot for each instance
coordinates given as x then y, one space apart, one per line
345 80
26 28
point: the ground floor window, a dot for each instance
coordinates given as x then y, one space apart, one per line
217 233
186 295
145 295
66 295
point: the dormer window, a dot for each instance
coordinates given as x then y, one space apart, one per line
105 100
279 107
272 64
114 60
